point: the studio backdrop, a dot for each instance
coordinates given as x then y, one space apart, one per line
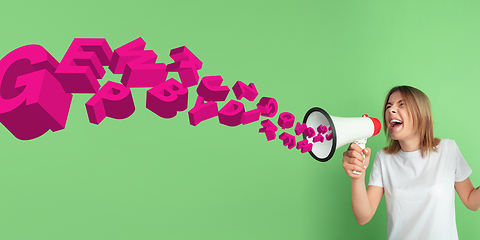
217 164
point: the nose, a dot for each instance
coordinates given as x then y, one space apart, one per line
393 109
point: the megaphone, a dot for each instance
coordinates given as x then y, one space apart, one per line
341 131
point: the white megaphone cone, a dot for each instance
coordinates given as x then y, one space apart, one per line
341 131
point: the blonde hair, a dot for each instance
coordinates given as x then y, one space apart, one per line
419 109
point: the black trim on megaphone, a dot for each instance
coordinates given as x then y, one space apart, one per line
334 140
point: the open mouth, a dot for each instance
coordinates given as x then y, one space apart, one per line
395 123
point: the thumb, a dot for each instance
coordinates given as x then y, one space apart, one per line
367 152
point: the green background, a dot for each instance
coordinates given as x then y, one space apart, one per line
146 177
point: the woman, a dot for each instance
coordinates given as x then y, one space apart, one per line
417 172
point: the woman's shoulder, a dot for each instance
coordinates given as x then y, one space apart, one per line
381 153
447 143
447 146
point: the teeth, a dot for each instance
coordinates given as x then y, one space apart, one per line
395 121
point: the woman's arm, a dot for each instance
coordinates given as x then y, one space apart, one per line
364 200
469 195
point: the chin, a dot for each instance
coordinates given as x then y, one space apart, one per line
393 136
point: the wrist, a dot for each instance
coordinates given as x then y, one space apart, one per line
360 179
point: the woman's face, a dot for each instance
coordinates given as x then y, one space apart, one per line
399 122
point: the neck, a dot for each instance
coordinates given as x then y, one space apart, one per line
410 145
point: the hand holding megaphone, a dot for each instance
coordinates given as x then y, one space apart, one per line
355 160
361 143
343 131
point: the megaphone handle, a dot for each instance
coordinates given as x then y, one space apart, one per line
362 144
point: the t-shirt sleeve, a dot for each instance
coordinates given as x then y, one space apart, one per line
376 173
462 170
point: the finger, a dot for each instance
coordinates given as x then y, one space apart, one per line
350 173
360 164
367 152
354 154
353 167
354 161
353 175
354 146
349 168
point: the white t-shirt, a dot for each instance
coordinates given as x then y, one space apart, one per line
420 192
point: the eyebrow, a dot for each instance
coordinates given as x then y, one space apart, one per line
401 100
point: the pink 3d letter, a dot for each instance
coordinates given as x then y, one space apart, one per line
251 116
321 129
288 140
286 120
329 136
83 64
186 64
137 65
231 113
241 90
309 132
268 106
184 54
168 98
211 90
269 129
202 111
300 128
318 138
32 101
304 146
112 100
